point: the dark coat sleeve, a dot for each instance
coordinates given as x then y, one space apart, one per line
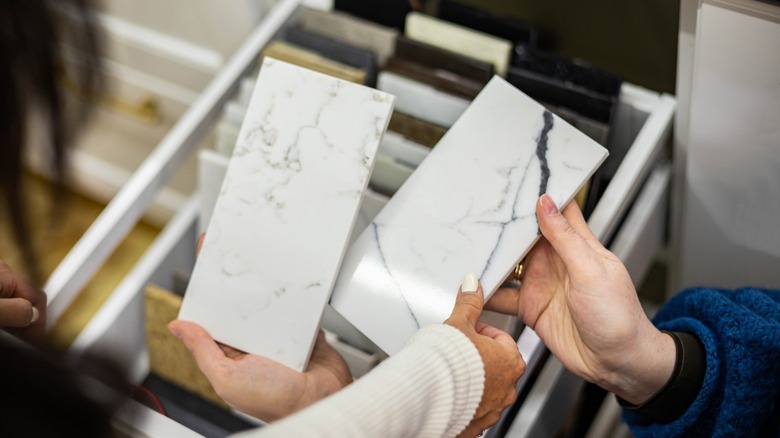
740 331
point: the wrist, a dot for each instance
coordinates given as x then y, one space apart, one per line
646 370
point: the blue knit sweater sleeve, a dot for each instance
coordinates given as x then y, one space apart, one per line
740 331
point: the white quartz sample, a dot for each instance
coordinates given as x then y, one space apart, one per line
422 100
285 211
469 207
460 39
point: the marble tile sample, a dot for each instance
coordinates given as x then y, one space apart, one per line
402 149
285 211
469 207
440 79
212 168
417 130
313 61
338 51
460 39
344 27
421 100
436 57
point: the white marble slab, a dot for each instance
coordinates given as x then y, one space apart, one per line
421 100
460 39
285 211
212 168
469 207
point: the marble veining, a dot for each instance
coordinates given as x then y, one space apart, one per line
541 151
469 207
285 211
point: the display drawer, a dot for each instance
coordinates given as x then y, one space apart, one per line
633 222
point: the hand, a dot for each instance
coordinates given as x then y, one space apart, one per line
22 306
580 300
259 386
500 356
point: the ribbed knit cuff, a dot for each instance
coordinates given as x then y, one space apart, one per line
464 364
674 398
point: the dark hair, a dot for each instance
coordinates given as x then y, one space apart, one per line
35 35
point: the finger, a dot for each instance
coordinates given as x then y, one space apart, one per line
496 334
470 300
504 301
321 345
36 331
230 352
17 312
567 242
202 346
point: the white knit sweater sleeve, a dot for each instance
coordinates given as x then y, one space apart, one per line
431 388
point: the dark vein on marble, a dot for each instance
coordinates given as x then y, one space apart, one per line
541 151
375 228
541 154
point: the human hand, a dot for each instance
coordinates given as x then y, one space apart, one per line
259 386
500 356
580 300
22 306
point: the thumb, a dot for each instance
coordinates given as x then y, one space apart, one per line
570 245
17 312
202 346
470 300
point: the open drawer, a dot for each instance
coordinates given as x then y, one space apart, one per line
117 330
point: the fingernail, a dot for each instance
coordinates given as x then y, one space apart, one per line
174 331
548 205
470 284
35 316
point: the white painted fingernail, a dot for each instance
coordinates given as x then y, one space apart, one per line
470 284
35 315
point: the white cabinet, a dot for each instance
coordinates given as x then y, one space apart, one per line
727 146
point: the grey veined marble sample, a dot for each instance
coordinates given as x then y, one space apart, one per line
284 215
469 207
